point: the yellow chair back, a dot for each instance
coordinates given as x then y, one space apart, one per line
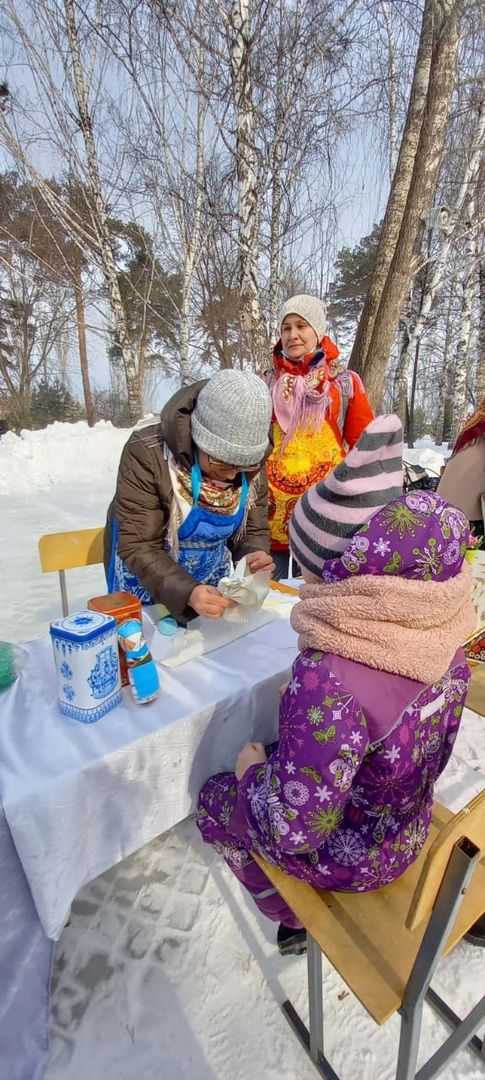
67 550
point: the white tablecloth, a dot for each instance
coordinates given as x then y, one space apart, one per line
78 798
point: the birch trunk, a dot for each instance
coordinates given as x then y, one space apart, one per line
251 315
81 337
192 237
480 377
445 379
448 409
433 286
100 218
142 359
391 86
399 192
277 154
462 352
420 195
412 403
275 240
400 395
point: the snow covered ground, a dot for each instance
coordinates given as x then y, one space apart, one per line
165 971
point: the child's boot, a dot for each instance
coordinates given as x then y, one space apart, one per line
291 941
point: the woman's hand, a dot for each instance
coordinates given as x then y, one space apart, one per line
251 754
209 602
259 560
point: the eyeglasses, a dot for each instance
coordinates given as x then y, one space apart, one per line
216 464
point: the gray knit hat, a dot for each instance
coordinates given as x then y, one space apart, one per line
232 417
330 513
310 308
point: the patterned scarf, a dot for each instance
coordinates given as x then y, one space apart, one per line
301 389
473 430
327 350
220 499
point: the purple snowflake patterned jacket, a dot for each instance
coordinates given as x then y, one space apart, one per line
332 806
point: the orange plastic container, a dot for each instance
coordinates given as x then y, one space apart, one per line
122 606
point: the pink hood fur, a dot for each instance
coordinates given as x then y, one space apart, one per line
408 627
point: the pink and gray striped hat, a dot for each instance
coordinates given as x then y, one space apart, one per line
330 513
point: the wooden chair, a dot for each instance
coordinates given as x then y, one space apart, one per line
67 550
476 693
386 944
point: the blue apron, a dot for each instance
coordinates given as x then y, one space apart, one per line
202 544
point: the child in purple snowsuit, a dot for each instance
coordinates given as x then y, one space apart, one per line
368 720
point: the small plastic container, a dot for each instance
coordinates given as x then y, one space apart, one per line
87 663
122 606
168 626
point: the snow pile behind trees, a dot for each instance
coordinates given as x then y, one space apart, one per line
427 456
65 453
60 454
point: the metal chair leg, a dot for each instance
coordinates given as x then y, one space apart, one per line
459 1038
450 896
312 1040
62 583
411 1018
475 1044
315 999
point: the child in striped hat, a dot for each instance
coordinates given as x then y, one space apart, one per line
368 720
329 513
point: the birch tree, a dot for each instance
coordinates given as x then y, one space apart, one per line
391 86
480 372
29 232
100 217
436 273
57 52
396 204
480 376
164 123
461 368
238 30
412 192
301 52
33 317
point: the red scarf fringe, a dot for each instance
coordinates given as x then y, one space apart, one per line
474 429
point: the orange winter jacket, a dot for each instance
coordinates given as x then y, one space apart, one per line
314 425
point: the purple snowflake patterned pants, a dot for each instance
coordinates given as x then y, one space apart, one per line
222 825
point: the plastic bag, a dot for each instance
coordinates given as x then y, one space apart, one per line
12 662
248 590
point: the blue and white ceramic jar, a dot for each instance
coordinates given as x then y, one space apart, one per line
87 662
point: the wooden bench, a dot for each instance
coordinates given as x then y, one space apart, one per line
386 944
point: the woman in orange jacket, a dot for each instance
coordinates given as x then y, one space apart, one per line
319 411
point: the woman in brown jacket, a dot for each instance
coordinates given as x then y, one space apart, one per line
191 496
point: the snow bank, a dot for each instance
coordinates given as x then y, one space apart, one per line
426 454
61 453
